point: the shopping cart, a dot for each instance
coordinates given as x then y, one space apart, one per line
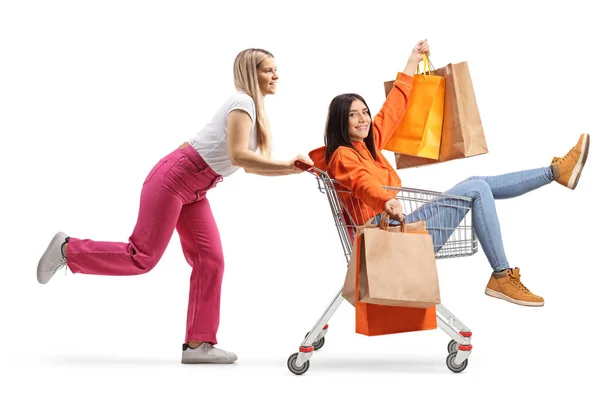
449 222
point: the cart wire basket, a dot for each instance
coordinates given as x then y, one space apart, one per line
448 221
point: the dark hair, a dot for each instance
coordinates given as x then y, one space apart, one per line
336 128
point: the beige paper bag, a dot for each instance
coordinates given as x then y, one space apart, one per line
349 291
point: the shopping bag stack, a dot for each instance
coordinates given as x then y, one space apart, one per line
461 134
392 279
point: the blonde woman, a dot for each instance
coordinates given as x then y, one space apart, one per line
174 197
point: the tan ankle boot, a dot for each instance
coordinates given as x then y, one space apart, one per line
567 169
507 286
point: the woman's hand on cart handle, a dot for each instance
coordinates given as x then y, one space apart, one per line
301 163
393 208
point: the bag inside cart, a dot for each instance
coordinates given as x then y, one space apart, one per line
376 319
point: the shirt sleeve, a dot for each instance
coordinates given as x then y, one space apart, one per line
351 172
388 119
242 101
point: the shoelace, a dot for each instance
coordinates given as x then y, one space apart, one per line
217 350
517 281
58 264
561 159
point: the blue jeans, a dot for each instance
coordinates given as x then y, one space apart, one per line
442 216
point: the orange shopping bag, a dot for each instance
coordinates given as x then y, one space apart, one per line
375 319
420 130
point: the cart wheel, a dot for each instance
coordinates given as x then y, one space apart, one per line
291 363
454 367
318 344
452 346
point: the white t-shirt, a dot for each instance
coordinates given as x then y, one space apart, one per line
211 141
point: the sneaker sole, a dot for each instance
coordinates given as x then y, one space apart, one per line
55 239
502 296
585 147
191 361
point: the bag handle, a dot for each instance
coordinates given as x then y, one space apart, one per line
385 223
427 65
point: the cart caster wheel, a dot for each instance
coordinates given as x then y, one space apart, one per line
318 344
454 367
452 346
291 363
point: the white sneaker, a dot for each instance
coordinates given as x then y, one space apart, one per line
206 353
53 259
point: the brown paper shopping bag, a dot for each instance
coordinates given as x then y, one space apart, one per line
398 269
349 292
462 130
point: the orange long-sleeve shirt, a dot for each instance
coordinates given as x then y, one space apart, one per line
365 176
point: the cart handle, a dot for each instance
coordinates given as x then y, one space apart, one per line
303 166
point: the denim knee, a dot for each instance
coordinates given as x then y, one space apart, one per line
474 178
478 185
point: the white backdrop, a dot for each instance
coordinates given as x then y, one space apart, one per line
92 94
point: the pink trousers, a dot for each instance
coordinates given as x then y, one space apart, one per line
173 197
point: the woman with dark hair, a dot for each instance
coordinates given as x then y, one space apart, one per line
353 157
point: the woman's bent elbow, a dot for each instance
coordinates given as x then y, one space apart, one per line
235 160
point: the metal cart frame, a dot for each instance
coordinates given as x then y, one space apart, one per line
448 217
